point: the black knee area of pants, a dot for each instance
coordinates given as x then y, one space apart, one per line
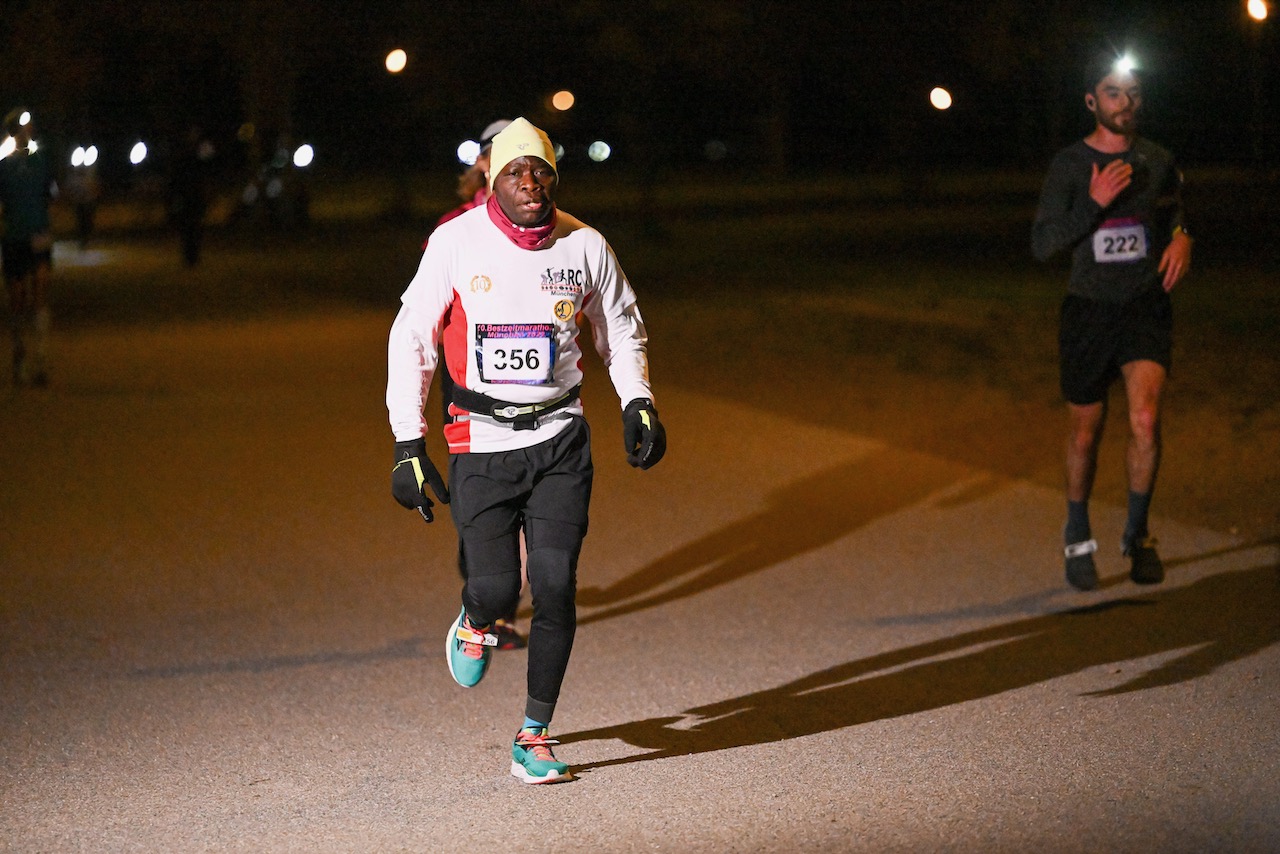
491 597
491 569
552 565
553 579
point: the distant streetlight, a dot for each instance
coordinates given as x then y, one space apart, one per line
138 153
1258 11
303 156
562 100
599 151
397 60
468 151
940 98
84 156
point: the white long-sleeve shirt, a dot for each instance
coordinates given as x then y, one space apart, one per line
508 320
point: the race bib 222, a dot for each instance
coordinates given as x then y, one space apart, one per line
1118 240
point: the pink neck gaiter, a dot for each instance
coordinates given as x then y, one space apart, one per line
526 238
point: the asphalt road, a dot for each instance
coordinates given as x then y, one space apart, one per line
220 633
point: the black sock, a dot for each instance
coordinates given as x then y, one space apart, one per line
1077 530
1136 528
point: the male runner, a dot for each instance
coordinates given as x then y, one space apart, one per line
501 287
1114 200
26 186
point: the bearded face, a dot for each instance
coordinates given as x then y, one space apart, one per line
1115 103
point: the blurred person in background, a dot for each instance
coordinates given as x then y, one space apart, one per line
1114 201
189 191
473 183
502 287
26 187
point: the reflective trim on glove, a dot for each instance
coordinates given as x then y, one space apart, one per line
411 470
644 439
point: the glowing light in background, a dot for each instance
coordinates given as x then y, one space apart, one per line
396 61
562 100
599 151
1257 9
138 153
84 156
1125 65
940 98
8 147
303 156
24 119
468 151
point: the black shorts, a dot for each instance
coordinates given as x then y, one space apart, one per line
495 495
19 258
1096 338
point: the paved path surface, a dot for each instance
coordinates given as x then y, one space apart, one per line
220 633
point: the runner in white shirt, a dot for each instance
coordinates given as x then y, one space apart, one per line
502 287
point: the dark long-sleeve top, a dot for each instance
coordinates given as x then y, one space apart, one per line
1115 252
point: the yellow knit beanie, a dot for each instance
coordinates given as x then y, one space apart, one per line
519 139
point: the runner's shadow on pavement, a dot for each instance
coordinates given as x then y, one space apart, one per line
409 648
804 515
1033 603
1211 622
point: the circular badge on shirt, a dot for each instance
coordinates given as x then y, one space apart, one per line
564 310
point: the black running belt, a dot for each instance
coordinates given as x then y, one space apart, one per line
521 416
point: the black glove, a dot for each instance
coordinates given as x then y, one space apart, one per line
643 436
411 470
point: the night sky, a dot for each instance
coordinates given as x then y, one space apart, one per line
786 87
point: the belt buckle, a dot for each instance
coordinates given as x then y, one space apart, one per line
507 412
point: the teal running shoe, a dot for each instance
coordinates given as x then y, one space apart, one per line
468 649
532 760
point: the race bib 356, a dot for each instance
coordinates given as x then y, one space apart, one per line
522 353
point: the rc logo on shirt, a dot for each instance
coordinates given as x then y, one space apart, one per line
563 281
564 310
480 284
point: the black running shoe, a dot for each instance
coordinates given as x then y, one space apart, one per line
1146 566
508 635
1082 573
